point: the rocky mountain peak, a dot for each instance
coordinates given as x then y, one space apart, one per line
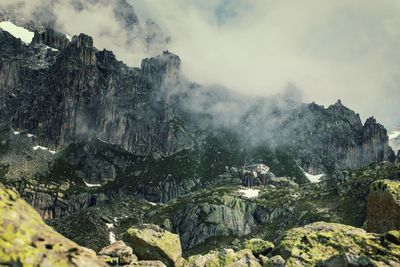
82 46
82 40
371 121
162 70
341 110
51 38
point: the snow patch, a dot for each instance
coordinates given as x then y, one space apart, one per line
249 192
30 135
16 133
111 235
314 178
40 147
152 203
52 48
25 35
68 37
92 185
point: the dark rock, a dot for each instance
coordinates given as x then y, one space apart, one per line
121 251
51 38
384 206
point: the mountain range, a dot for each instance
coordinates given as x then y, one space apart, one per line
96 146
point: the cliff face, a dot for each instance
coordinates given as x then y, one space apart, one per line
323 139
149 132
79 92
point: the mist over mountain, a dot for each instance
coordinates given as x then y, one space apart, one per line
193 137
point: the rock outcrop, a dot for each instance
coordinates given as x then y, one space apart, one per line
150 242
123 254
384 206
325 243
227 257
26 240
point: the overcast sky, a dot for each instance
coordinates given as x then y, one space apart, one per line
346 49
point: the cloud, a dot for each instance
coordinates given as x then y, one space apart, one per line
328 49
97 18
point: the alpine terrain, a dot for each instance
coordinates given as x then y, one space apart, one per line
104 164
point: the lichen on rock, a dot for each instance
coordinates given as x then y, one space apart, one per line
315 243
150 242
25 240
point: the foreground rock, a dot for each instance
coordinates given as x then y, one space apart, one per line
384 206
25 240
226 257
150 242
120 251
329 244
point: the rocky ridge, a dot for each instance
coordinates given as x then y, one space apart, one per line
106 152
316 244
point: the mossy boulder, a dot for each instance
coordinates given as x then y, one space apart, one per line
315 243
25 240
150 242
384 206
224 257
275 261
258 246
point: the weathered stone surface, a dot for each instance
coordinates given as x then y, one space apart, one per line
51 38
258 246
320 241
199 221
150 242
121 251
26 240
348 260
275 261
384 206
226 257
148 264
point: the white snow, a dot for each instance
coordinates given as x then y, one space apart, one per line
92 185
152 203
111 234
43 148
68 37
25 35
30 135
249 192
16 133
314 178
52 48
40 147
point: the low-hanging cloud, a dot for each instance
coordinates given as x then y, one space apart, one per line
97 18
328 49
